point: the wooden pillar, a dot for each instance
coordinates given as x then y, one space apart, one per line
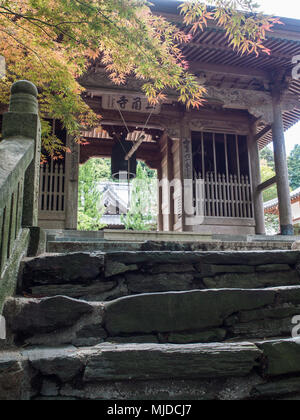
177 184
71 184
281 168
170 182
258 204
160 221
166 183
187 173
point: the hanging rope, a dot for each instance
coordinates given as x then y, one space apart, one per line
134 143
126 126
123 119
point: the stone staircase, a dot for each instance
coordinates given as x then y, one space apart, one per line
161 325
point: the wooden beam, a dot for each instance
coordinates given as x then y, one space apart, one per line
229 70
103 149
135 146
213 47
263 132
267 184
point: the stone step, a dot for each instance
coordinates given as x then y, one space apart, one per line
106 276
76 235
66 245
244 370
198 316
116 235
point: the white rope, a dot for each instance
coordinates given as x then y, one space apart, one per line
123 119
135 143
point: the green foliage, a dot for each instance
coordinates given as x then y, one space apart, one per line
90 211
272 224
150 173
266 173
143 210
294 167
143 204
268 155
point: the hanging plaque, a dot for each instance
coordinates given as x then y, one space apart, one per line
129 103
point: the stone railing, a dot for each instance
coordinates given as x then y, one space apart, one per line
19 171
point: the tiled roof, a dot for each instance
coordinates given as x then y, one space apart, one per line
274 203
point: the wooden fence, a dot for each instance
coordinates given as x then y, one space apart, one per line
217 196
52 187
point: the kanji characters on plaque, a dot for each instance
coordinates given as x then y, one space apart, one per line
129 103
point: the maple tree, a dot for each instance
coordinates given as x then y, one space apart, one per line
53 42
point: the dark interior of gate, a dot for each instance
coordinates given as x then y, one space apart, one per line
207 160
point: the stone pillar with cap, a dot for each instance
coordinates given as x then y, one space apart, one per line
22 120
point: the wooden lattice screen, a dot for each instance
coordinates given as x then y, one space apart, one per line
222 186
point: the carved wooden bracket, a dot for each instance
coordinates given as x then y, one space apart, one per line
258 104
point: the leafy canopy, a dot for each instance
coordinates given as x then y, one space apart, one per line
53 42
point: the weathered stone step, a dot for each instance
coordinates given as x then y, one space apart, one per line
75 235
57 368
106 276
181 240
153 371
53 321
173 315
199 316
66 245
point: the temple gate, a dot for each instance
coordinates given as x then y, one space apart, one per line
207 160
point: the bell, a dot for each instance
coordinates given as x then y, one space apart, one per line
122 169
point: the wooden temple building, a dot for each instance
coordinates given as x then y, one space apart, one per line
207 160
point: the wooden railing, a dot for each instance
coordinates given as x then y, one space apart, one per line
52 187
19 170
217 196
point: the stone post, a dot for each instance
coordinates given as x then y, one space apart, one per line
258 204
22 120
283 188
